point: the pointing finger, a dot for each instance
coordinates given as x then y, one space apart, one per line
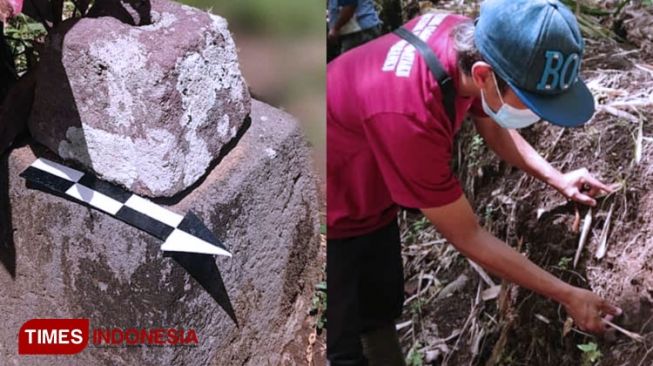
596 183
615 186
610 309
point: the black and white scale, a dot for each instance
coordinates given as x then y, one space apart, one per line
185 238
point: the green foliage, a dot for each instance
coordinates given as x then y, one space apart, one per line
477 153
415 228
319 305
476 147
264 16
589 18
487 215
414 357
257 16
416 306
420 224
21 33
564 262
506 360
591 353
477 142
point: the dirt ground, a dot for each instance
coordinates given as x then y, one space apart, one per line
447 321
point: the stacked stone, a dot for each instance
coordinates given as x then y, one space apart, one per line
161 109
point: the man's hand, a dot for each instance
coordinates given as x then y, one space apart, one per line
457 223
332 37
580 186
589 310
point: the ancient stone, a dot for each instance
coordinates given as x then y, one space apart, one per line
148 107
71 261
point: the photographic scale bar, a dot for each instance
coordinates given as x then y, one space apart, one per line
179 233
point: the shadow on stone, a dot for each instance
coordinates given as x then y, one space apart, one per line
53 87
223 152
7 245
261 201
133 12
203 269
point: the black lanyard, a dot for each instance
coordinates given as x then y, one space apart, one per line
444 80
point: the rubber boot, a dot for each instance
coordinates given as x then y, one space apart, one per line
381 347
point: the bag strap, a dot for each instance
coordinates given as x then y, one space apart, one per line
444 80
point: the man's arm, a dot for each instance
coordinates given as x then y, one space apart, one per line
347 11
512 148
458 224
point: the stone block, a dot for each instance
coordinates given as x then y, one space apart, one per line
71 261
148 107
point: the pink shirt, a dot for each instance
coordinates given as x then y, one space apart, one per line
389 140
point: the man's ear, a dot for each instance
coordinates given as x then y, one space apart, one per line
481 74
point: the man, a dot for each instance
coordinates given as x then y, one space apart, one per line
352 23
392 118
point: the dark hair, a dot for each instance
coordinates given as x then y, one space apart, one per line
466 51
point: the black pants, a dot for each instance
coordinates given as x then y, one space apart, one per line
365 290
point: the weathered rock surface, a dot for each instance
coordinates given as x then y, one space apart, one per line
76 262
148 107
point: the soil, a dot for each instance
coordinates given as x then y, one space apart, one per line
527 329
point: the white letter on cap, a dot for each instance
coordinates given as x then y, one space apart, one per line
566 81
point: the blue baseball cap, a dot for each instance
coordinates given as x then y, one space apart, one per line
536 47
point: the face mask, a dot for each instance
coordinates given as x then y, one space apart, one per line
508 116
